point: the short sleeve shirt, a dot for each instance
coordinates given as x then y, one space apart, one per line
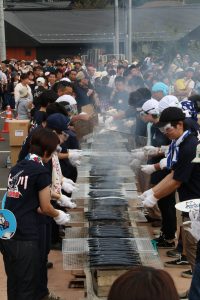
187 172
25 181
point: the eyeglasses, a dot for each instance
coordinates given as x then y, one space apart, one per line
146 112
166 127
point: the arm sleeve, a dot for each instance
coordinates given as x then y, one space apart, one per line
43 180
130 112
184 166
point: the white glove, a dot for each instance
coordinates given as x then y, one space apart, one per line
163 163
75 163
145 194
164 149
137 150
100 119
151 150
129 123
195 224
108 121
62 218
66 202
68 181
68 187
148 169
138 155
150 201
135 164
74 154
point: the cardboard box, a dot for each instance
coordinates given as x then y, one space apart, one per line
14 153
82 128
198 116
88 109
18 131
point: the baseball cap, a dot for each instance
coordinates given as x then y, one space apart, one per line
170 114
150 107
58 121
67 98
40 80
160 87
65 79
168 101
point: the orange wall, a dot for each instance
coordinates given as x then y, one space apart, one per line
21 53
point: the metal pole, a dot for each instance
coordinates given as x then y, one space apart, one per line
116 21
125 30
2 34
130 31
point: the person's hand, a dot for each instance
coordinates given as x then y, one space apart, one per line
75 156
108 121
138 155
164 149
135 164
65 179
148 169
151 150
84 116
66 202
68 187
89 93
150 201
145 194
62 217
137 150
163 163
128 123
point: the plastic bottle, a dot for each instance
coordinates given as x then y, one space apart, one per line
8 162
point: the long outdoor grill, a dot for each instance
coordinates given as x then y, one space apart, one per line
109 238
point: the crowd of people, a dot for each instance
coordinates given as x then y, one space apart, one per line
162 101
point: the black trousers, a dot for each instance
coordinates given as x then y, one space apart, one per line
21 260
168 213
44 249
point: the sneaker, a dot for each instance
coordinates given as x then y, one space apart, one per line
186 274
51 296
181 262
165 244
173 253
57 246
49 265
160 238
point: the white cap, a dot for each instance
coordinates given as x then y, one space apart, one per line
151 106
40 81
67 98
168 101
65 79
